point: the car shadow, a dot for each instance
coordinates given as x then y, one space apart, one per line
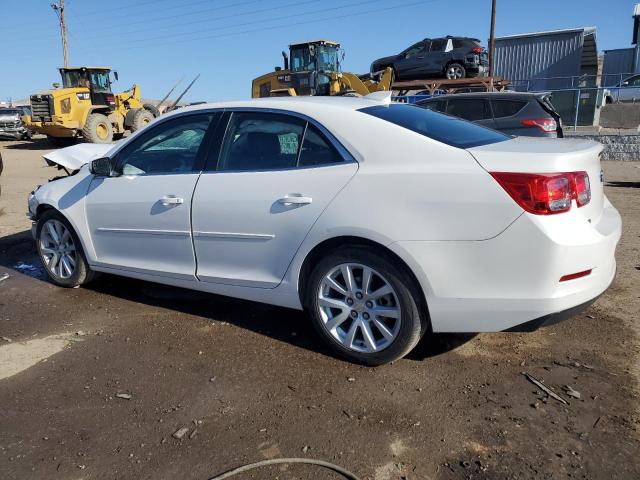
623 184
34 144
17 252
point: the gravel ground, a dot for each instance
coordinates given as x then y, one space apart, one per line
95 381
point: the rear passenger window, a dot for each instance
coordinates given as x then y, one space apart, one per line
506 108
436 105
261 141
316 150
470 109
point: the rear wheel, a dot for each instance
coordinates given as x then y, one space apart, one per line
364 307
141 119
152 109
455 71
97 129
61 252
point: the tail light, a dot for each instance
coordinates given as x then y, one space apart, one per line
546 193
477 50
110 99
547 125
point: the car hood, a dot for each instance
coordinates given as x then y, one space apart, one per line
72 158
382 61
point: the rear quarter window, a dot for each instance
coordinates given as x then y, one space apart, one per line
437 126
471 109
506 108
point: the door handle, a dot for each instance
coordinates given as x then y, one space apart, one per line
295 199
171 200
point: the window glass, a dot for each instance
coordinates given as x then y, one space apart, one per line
443 128
261 141
634 81
417 49
437 105
506 108
438 45
171 147
470 109
316 149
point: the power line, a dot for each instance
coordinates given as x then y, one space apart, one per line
214 19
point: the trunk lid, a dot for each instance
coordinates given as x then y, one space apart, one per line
72 158
548 155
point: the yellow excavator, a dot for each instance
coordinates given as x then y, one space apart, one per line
313 68
86 107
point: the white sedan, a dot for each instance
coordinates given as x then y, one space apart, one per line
384 221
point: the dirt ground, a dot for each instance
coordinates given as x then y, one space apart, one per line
252 382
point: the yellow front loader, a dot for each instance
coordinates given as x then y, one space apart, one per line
86 107
313 68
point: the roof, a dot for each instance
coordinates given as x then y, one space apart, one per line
503 95
585 30
88 68
328 42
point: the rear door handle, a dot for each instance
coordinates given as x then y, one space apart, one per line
171 200
295 199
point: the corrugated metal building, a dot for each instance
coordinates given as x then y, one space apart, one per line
621 62
618 64
534 61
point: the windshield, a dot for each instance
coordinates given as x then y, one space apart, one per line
6 111
97 80
327 58
443 128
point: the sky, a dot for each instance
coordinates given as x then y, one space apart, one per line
155 43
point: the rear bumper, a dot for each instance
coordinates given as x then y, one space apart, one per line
552 318
512 279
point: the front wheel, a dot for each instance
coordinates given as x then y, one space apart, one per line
61 252
97 129
364 306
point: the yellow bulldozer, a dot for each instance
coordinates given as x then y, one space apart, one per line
86 107
313 68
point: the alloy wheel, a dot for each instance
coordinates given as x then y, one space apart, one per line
57 249
359 308
454 72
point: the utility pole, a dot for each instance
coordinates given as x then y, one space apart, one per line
59 9
491 37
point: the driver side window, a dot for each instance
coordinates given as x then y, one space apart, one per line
417 49
171 147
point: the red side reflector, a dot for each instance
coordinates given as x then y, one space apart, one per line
573 276
477 50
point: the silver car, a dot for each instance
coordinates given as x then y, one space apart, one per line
626 91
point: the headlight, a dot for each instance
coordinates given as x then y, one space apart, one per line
65 106
82 96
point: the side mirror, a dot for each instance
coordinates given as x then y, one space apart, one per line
55 85
115 75
101 167
277 69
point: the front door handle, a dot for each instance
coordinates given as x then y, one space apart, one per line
171 200
295 199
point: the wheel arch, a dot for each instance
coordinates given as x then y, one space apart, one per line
334 243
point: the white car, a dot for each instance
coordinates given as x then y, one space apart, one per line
383 220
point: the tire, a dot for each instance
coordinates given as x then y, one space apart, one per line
152 109
141 119
61 142
355 308
454 71
97 129
57 256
